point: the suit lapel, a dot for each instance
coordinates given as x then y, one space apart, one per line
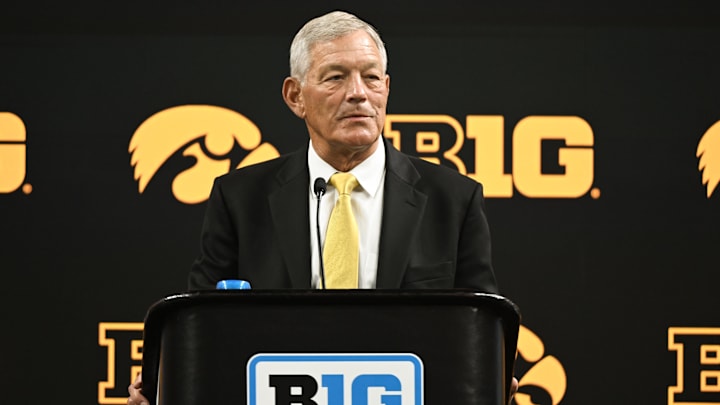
289 207
402 211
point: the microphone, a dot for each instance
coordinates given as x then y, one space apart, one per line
320 187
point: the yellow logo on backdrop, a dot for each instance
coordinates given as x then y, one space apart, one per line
487 131
209 133
546 373
12 152
708 151
698 366
123 342
190 128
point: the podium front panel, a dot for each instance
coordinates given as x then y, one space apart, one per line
459 348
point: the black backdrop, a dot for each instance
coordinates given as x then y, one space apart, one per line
606 283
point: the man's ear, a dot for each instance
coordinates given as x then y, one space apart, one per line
292 95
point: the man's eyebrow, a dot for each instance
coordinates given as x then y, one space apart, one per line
333 66
341 67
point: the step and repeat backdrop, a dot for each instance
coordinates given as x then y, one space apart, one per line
595 130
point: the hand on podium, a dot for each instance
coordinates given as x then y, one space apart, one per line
513 389
136 398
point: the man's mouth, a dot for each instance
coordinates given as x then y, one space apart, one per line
354 116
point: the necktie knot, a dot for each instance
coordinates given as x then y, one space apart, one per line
345 183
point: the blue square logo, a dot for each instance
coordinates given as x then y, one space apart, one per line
335 379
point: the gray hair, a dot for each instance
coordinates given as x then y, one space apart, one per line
327 28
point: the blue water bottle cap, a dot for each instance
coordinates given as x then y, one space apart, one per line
233 285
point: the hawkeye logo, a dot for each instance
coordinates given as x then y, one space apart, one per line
400 376
552 156
698 366
708 152
544 372
12 154
335 379
206 133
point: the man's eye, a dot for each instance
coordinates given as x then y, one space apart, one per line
334 78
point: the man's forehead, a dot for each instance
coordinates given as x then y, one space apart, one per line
351 41
333 51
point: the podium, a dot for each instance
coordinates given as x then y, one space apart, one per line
330 347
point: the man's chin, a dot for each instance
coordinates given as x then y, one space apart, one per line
360 140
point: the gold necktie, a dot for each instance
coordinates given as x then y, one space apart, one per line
340 253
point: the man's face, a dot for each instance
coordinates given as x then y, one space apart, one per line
345 94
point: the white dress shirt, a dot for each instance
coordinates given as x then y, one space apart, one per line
367 205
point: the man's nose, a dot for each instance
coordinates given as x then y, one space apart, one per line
356 88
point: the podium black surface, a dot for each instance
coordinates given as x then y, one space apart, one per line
205 347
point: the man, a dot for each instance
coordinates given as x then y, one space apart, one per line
420 225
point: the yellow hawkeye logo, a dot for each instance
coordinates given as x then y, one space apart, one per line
204 132
12 152
546 373
708 151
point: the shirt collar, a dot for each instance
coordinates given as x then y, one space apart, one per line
369 173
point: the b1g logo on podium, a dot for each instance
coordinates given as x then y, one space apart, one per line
335 379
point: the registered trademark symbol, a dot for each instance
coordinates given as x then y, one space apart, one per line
595 193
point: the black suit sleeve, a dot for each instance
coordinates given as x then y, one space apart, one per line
218 258
474 260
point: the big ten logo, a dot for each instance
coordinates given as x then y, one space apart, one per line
12 154
697 352
123 342
552 156
543 379
335 379
708 153
214 139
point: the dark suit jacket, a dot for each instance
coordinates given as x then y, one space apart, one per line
434 233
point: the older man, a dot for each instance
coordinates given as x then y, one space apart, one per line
418 225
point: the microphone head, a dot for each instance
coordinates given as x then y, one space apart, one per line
320 186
